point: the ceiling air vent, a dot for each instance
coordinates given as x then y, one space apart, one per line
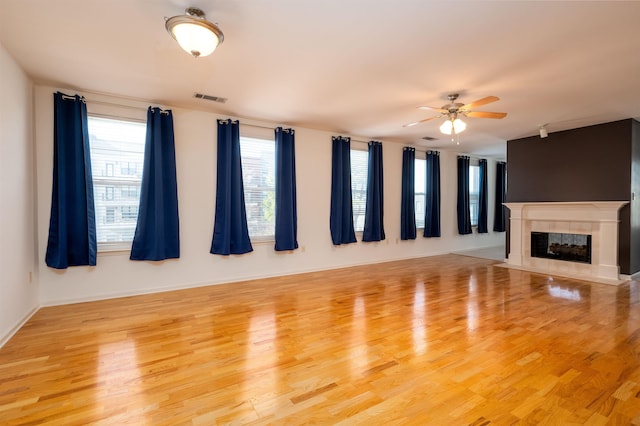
429 138
210 98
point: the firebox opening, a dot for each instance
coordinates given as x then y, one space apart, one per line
568 247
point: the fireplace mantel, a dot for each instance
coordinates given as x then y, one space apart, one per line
596 218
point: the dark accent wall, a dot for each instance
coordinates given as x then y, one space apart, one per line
635 201
592 163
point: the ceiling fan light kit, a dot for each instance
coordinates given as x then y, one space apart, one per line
453 125
195 35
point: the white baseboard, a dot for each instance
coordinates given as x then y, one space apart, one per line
4 339
248 277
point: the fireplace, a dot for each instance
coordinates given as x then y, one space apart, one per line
535 226
561 246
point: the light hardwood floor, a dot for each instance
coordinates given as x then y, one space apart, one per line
445 340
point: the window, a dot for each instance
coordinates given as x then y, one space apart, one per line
420 167
474 193
359 170
110 215
129 213
129 192
108 193
129 168
117 155
258 178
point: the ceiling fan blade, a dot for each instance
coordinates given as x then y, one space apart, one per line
479 102
485 114
444 111
421 121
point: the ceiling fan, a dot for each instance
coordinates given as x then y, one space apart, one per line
453 110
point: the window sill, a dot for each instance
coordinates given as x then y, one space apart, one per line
261 241
114 248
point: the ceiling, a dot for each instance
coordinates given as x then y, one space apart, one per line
353 67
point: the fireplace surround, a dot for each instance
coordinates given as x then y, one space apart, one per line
598 219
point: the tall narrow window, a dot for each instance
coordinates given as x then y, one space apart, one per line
359 171
474 193
258 176
420 190
117 155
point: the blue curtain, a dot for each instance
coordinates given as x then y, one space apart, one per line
230 231
341 215
408 203
432 195
286 214
464 215
499 219
482 199
157 235
72 224
374 212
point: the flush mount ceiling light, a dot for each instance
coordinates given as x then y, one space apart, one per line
197 36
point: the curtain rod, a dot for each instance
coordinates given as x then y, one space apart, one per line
440 150
258 126
475 157
359 140
87 94
138 108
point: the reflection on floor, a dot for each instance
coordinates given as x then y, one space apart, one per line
442 340
494 253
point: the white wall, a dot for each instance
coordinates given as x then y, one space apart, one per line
195 135
18 293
